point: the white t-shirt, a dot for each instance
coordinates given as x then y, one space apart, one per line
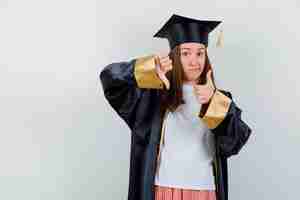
188 150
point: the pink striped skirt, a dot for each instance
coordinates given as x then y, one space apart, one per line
168 193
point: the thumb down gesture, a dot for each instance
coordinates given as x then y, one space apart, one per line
163 64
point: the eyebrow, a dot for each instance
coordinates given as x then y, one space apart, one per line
201 48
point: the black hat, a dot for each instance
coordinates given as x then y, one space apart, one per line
179 29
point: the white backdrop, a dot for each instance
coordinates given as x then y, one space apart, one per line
61 140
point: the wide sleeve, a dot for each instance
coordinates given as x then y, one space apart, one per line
124 83
223 118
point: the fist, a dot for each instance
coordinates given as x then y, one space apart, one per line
163 64
204 92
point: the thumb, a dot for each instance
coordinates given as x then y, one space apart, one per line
165 80
156 60
209 81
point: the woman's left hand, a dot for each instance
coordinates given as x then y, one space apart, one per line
205 92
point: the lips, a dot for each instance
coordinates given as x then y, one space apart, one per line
194 69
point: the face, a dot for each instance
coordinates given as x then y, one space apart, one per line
192 56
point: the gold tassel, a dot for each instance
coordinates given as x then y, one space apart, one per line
220 40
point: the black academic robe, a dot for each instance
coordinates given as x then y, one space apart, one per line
132 89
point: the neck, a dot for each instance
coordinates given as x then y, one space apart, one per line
190 82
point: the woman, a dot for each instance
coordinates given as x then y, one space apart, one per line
183 127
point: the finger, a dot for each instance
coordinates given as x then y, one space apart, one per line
209 81
201 93
198 93
200 96
198 87
166 61
165 81
204 99
167 66
160 57
163 55
201 99
163 60
157 60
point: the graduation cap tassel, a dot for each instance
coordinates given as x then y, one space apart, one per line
220 40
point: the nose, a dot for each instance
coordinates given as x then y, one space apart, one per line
194 60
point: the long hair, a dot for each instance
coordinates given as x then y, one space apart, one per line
172 98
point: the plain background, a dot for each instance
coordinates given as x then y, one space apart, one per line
61 140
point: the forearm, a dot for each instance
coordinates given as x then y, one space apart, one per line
223 118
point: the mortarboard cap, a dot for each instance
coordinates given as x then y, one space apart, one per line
179 29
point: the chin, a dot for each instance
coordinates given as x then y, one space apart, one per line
193 77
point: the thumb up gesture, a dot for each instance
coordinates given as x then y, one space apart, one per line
204 92
163 64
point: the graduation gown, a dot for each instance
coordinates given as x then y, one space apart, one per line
132 89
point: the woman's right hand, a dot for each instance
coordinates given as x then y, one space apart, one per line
163 64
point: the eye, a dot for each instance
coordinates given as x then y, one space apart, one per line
185 53
200 53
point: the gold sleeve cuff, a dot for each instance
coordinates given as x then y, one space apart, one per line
145 75
217 110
